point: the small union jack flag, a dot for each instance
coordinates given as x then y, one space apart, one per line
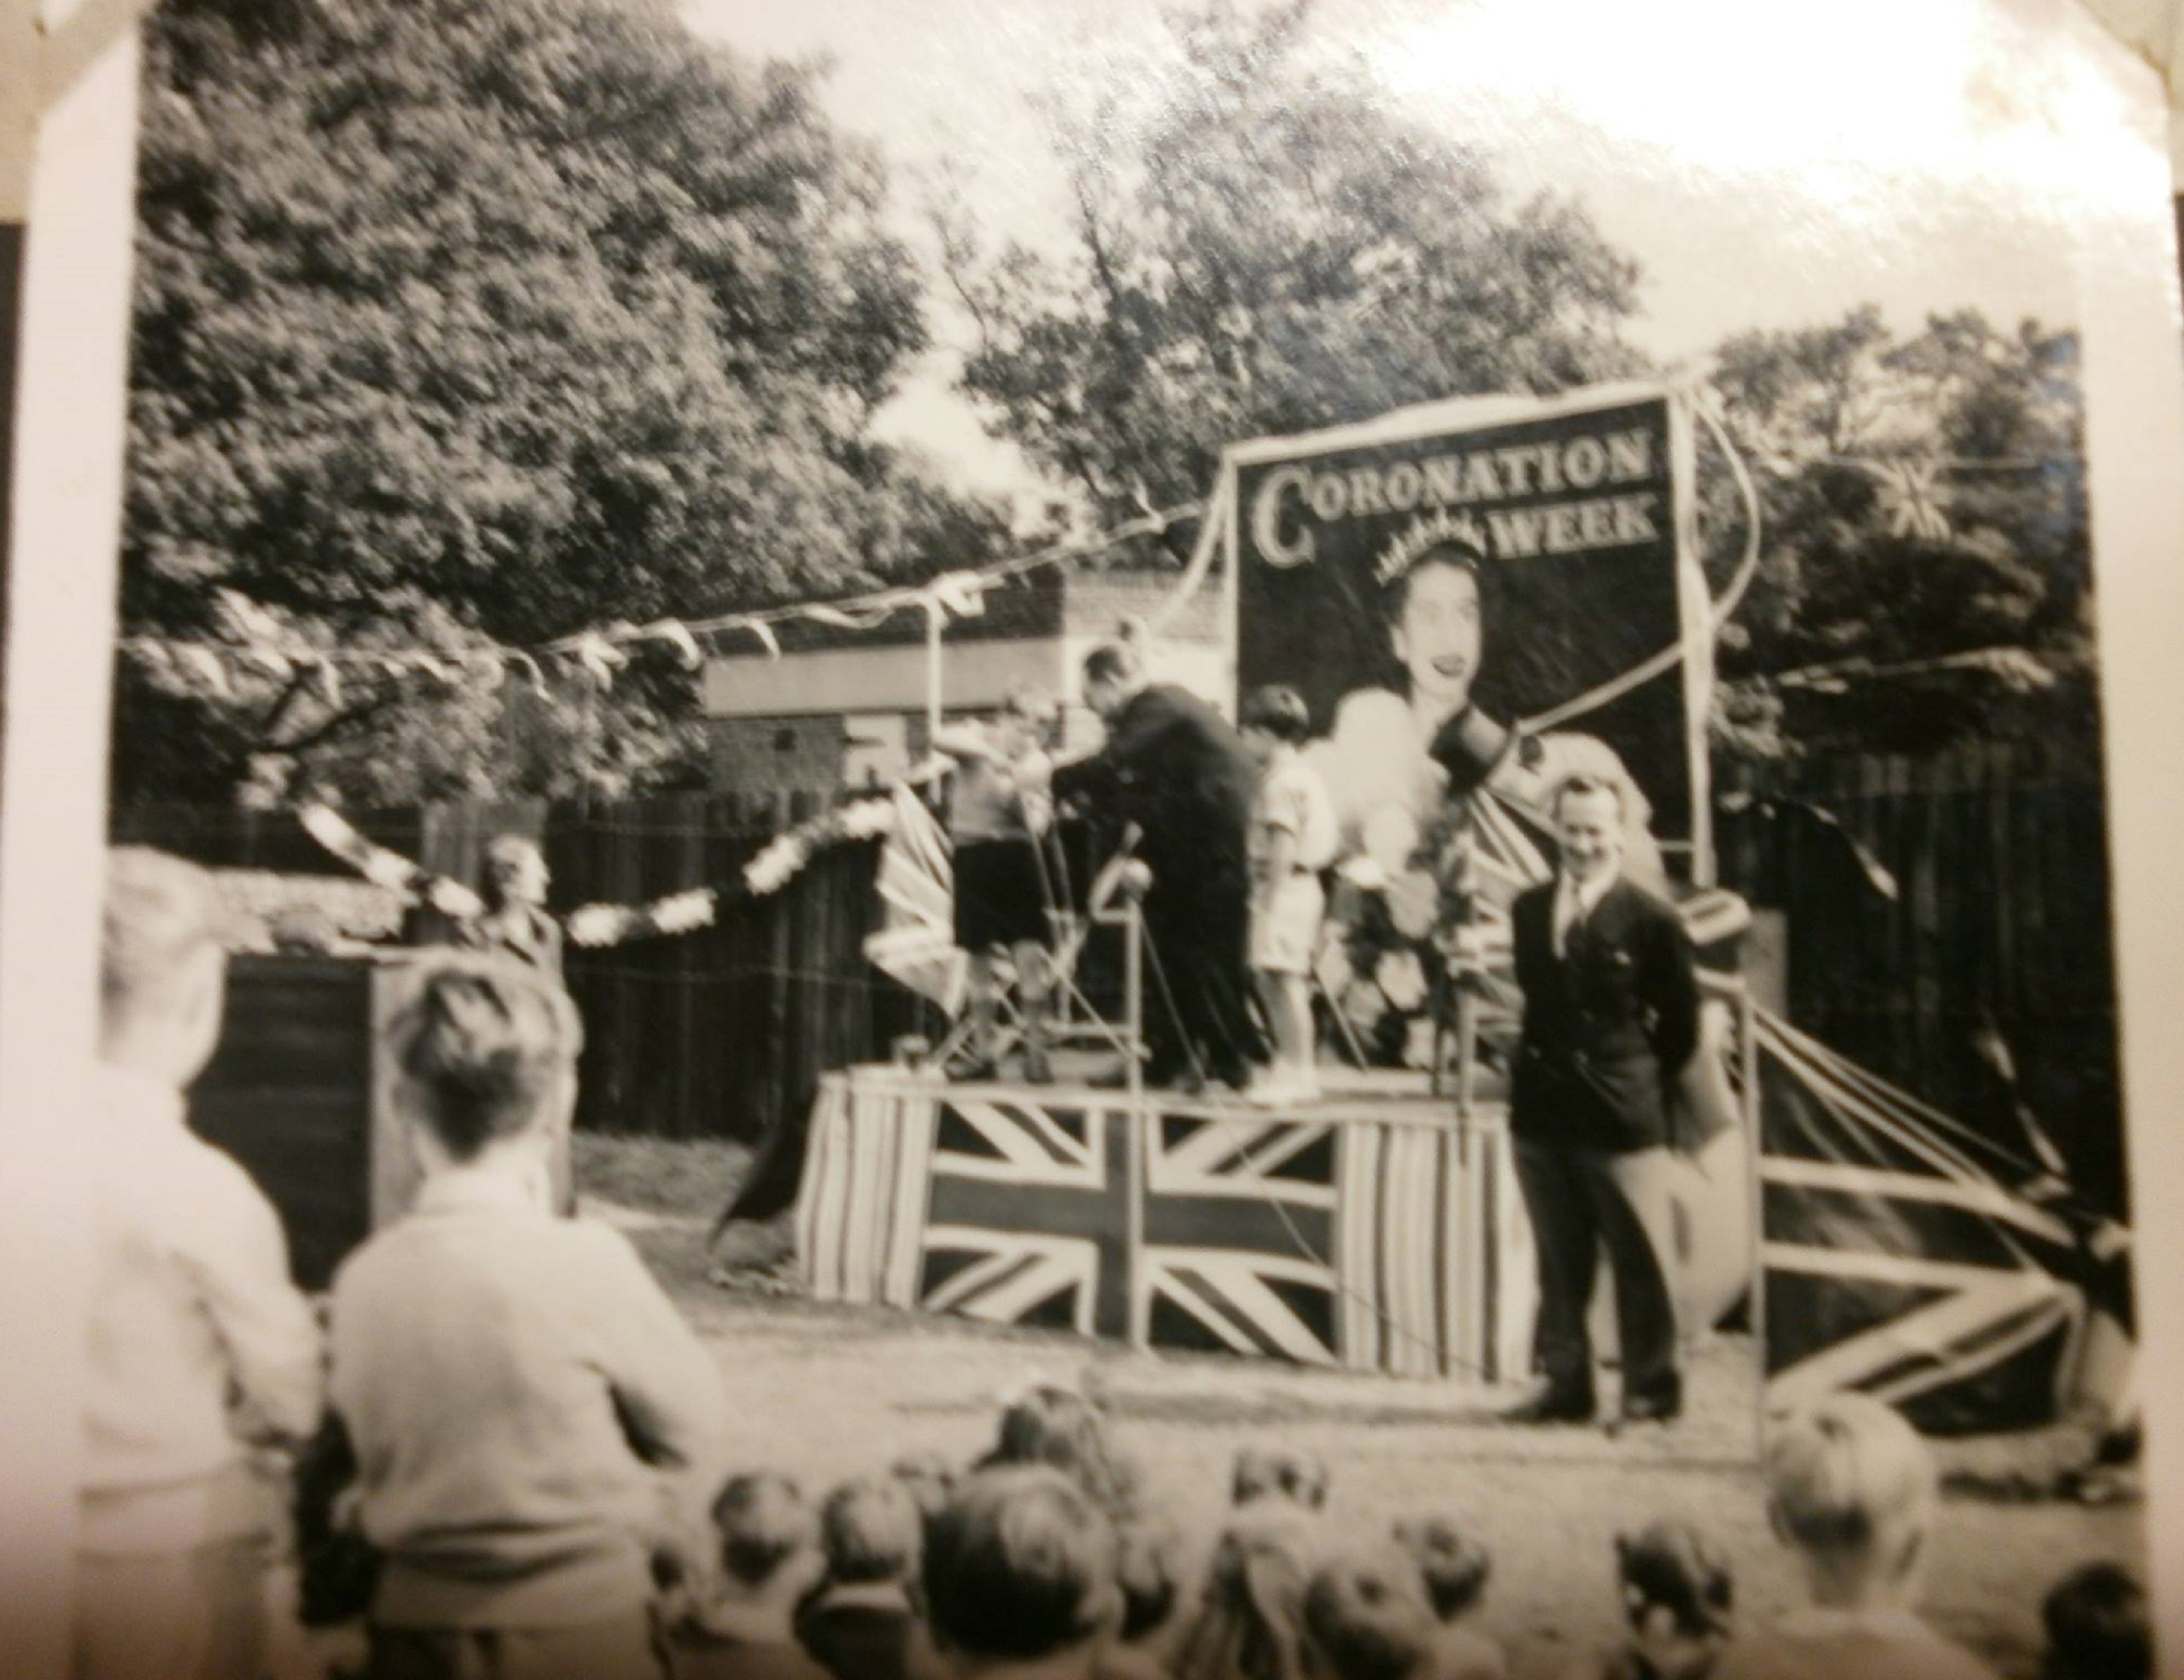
916 944
1912 498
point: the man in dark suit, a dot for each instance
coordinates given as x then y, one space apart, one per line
1173 765
1611 1016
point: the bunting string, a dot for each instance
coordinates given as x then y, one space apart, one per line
596 925
263 645
2014 667
1913 498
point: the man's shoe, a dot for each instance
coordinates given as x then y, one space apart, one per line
1551 1406
1652 1407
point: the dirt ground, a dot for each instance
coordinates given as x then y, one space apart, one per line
825 1391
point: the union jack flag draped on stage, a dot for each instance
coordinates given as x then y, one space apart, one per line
1028 1220
1895 1263
916 944
1376 1240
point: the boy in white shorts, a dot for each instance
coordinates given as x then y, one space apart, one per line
1293 839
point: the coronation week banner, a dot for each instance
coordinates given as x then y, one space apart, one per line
1582 510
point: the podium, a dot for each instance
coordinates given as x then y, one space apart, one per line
298 1093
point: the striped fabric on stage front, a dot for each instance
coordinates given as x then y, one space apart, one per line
1436 1254
860 1215
1364 1238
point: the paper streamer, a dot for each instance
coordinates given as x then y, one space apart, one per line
386 869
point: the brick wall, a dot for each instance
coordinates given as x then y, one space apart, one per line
1098 601
759 756
805 752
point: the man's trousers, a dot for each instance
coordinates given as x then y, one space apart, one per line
1580 1200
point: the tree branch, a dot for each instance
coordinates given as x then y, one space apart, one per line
297 681
956 257
334 724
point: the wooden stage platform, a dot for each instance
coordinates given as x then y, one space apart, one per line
1375 1229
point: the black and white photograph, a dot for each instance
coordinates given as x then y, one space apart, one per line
972 839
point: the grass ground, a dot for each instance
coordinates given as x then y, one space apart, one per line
824 1390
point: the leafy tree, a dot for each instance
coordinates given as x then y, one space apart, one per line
1261 245
1926 576
457 322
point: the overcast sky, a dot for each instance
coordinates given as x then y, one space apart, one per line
1768 164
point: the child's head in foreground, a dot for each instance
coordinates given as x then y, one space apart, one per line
162 966
869 1530
929 1478
1054 1426
767 1532
1278 1473
1851 1489
1147 1570
1019 1567
1678 1594
1366 1617
484 1046
1249 1624
2095 1617
1453 1565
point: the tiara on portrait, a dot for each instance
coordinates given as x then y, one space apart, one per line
1429 532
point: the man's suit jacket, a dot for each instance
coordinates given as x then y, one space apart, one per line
1173 765
1608 1025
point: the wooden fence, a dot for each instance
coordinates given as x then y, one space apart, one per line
2002 908
2000 861
716 1033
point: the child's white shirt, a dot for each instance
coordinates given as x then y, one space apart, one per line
997 796
1293 798
197 1340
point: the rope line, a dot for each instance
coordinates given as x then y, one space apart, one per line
1388 1327
1447 1358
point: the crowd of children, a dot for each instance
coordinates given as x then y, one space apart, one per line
500 1459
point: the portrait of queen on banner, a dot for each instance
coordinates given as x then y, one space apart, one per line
1477 601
